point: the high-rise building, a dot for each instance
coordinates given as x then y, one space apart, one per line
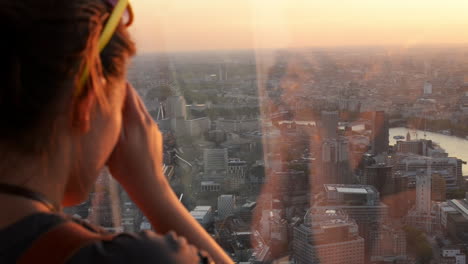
379 176
172 115
380 133
176 115
423 193
423 216
327 236
222 72
226 205
105 202
379 130
334 166
215 160
330 124
335 150
236 172
438 188
361 203
131 216
176 107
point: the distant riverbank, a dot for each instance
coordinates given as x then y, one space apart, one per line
460 130
453 145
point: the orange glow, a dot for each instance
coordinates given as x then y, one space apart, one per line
228 24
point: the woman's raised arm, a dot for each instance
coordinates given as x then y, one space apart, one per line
137 164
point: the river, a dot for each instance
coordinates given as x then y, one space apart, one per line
454 146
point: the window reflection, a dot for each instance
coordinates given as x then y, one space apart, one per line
313 155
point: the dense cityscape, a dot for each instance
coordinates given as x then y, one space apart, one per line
338 155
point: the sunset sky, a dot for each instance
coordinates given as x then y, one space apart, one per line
180 25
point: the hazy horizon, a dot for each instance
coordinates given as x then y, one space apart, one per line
177 25
311 48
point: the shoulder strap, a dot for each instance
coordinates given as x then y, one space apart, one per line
60 243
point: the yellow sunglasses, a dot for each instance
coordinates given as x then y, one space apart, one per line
121 7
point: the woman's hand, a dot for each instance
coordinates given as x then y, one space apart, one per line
139 151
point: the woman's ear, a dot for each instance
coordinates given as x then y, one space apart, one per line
82 112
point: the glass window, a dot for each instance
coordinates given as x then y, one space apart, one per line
295 131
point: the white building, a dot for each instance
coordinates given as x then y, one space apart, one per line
427 88
444 209
196 127
203 215
423 192
215 160
423 216
226 205
210 186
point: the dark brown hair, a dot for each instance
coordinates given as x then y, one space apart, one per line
43 49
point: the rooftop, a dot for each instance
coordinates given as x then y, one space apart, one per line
202 208
200 211
350 188
198 214
249 204
205 183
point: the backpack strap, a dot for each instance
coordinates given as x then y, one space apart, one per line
60 243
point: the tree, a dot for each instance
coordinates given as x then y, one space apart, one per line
418 245
456 194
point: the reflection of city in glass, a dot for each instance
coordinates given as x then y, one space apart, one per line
310 156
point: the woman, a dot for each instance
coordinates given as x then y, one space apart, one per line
65 113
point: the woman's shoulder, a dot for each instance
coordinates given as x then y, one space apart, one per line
142 247
19 236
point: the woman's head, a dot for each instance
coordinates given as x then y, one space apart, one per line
45 48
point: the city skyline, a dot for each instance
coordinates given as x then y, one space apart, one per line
356 151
